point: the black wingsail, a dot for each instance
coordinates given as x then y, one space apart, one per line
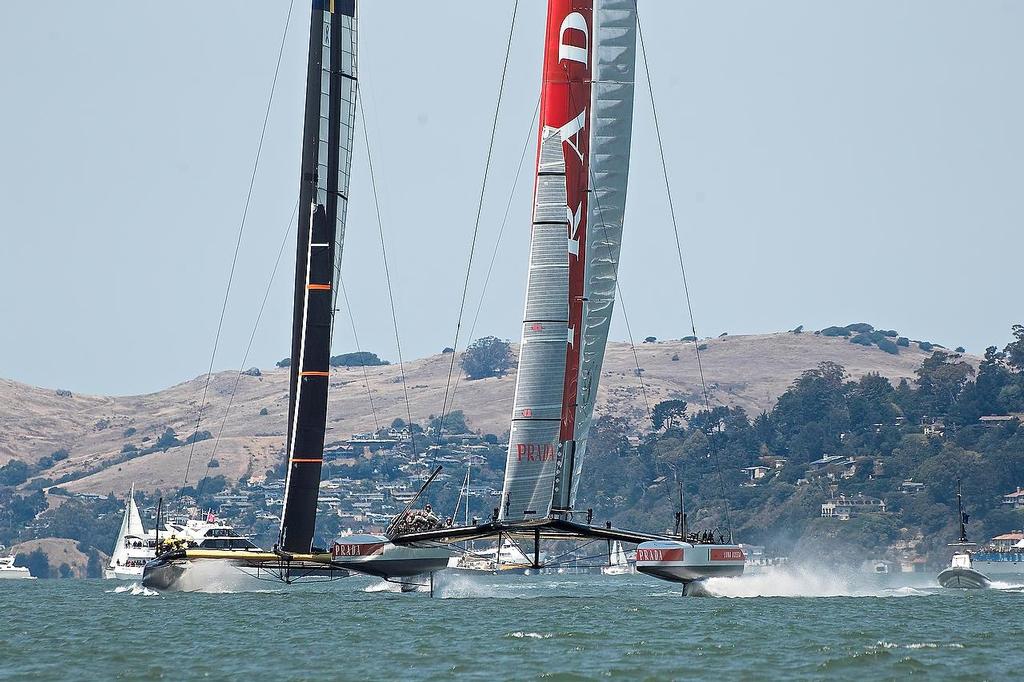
323 200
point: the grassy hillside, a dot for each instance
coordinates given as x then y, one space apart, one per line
99 432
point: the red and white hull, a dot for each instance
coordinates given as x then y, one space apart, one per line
377 556
682 562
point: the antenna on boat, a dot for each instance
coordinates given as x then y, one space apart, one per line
960 512
159 505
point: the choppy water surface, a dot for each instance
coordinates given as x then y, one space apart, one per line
488 627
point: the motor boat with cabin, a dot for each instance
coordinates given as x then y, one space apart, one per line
962 573
8 571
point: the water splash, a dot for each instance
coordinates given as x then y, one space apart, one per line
134 589
804 580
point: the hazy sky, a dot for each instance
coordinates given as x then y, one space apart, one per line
831 162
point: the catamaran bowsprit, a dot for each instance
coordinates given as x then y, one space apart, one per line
323 199
582 168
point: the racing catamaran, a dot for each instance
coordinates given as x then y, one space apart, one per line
328 133
582 167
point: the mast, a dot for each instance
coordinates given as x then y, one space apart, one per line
586 105
323 201
960 513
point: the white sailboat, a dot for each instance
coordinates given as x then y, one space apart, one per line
618 564
133 547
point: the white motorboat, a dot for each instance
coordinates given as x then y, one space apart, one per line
8 571
961 573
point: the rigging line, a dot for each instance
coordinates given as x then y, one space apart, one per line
252 337
679 253
497 242
387 271
476 222
672 209
366 379
618 287
238 243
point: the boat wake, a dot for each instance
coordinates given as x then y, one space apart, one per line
1007 587
135 589
803 581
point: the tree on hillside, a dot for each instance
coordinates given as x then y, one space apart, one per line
487 357
14 473
1015 349
454 422
359 359
940 379
668 413
36 562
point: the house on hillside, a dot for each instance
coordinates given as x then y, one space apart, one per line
933 427
1015 500
911 487
755 473
845 508
1008 540
832 467
997 419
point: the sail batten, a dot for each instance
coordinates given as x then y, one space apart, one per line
579 197
326 165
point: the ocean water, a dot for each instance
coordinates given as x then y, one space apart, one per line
797 625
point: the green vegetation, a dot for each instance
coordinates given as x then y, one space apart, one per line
14 472
487 357
360 359
883 435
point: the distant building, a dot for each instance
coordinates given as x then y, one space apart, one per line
996 419
911 487
845 508
832 467
1008 540
756 473
1015 500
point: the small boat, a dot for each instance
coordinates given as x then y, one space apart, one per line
134 546
8 571
689 562
961 573
509 558
618 564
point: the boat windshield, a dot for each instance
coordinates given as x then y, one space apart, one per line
227 543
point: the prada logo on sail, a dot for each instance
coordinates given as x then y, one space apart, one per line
535 452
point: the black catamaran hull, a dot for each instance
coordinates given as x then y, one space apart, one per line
200 571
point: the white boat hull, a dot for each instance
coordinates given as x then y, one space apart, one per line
682 562
963 578
15 574
123 573
377 556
